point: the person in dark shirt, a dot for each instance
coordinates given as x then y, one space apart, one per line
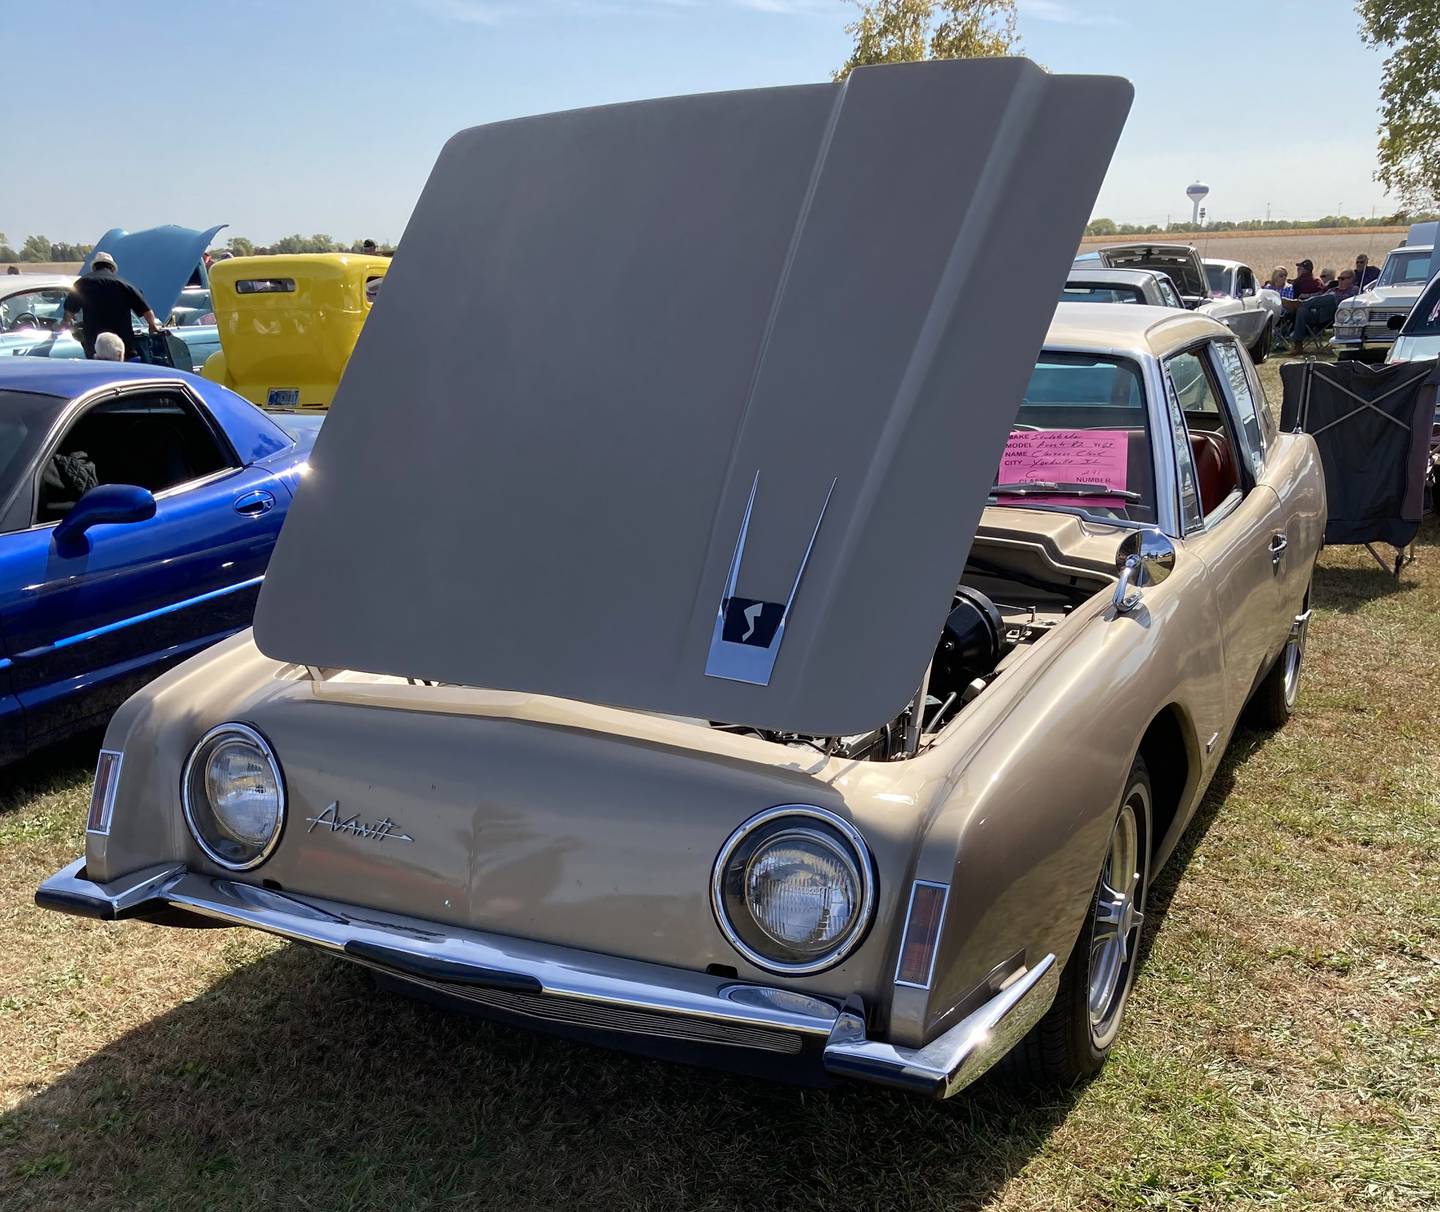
108 302
1365 273
1306 283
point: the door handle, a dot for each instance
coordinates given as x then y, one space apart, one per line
252 504
1278 544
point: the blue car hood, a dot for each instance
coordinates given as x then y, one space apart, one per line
159 260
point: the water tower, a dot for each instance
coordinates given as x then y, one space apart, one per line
1196 193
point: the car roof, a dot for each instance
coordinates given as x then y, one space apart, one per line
70 377
1130 328
1225 261
1100 273
11 283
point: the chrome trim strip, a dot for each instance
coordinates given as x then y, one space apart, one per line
743 662
905 934
563 972
81 637
864 865
255 738
953 1060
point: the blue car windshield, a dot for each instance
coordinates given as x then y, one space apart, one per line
25 420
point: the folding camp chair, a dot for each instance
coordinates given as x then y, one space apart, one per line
1372 425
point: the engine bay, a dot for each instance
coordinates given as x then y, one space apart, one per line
1007 601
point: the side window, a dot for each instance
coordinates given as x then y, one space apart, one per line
1191 516
154 439
1252 438
1210 442
1245 280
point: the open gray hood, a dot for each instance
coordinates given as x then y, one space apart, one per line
709 413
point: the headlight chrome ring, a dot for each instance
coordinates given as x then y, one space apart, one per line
213 833
809 826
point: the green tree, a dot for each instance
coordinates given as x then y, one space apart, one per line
35 248
1409 152
7 254
305 244
1101 227
240 246
901 31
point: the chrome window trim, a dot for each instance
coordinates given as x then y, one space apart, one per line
864 865
256 738
905 934
1228 401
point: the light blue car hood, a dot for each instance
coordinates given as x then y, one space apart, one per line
158 260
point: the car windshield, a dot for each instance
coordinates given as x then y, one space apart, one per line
1424 318
1217 276
1406 267
1094 292
1081 440
25 419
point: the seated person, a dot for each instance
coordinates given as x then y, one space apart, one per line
1365 273
1306 283
1318 311
1280 282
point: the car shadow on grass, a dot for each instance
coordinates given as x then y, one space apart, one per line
293 1082
52 770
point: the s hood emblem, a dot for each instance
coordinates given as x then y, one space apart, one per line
380 831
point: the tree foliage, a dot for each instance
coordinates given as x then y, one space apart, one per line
35 248
902 31
240 246
1409 152
297 243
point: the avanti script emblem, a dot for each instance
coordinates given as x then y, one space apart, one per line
381 831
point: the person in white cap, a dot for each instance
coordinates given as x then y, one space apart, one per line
108 302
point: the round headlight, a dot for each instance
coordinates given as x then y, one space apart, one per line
233 796
1358 315
793 889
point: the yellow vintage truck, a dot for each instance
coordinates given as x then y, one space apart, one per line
289 323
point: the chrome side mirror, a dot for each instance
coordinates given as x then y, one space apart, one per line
1146 557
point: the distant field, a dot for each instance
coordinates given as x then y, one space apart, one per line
1263 250
48 267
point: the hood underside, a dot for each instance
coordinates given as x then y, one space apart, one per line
707 422
158 260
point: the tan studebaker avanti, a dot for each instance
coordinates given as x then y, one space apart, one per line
611 674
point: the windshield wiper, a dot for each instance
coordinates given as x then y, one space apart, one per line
1044 488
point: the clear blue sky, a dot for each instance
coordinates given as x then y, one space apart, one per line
278 116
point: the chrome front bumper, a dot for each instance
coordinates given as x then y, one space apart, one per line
558 987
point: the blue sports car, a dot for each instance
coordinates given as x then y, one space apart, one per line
138 509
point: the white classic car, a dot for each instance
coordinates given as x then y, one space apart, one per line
1250 319
1363 324
1142 286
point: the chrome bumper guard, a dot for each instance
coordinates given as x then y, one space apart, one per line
525 972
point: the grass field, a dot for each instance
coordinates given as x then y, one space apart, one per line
1282 1048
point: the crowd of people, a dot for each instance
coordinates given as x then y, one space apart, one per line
1311 301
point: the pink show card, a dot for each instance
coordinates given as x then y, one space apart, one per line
1078 456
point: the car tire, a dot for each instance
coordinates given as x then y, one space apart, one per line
1072 1040
1273 702
1264 343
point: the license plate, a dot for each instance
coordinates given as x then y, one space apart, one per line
283 397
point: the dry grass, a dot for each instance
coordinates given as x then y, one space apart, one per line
1282 1049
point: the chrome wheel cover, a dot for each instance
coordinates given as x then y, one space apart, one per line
1118 916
